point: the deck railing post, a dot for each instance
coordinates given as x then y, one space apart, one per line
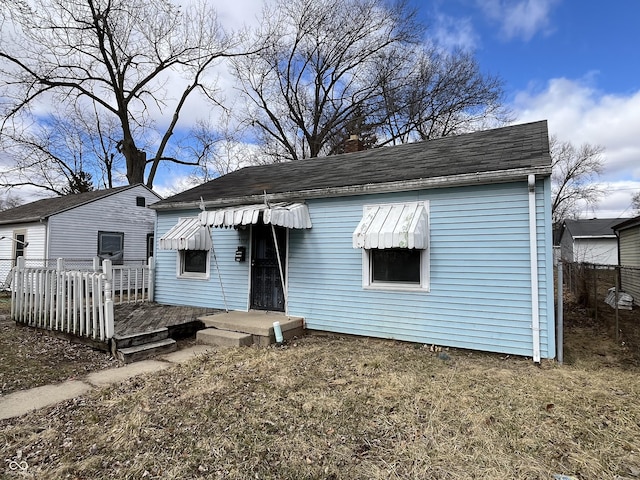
18 290
151 279
109 327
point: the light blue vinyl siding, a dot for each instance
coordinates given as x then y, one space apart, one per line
480 279
479 285
171 290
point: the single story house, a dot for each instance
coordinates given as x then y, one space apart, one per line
445 242
628 233
114 223
590 241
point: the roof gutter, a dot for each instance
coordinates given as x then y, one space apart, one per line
588 237
466 179
23 220
533 257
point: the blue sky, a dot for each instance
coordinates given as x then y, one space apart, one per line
530 42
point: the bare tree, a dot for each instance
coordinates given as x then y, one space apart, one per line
433 93
573 178
330 65
217 148
316 69
635 203
62 152
132 60
10 200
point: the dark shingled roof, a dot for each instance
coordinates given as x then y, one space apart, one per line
627 223
40 209
594 227
514 147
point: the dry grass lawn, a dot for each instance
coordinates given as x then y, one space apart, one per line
347 408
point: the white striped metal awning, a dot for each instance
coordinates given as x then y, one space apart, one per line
392 226
288 215
187 234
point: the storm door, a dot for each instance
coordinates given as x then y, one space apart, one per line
266 286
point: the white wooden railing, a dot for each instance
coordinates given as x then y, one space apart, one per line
77 302
133 284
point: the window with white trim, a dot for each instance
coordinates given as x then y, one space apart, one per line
111 246
193 263
394 241
395 269
19 244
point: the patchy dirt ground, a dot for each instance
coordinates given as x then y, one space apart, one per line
29 358
331 407
335 407
591 338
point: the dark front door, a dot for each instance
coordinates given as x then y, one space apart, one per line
266 287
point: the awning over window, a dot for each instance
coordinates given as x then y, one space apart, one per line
289 215
187 234
392 226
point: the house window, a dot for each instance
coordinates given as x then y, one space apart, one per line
141 202
19 245
111 246
194 263
394 239
150 240
395 265
395 269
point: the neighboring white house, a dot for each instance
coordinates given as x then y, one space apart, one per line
590 241
113 223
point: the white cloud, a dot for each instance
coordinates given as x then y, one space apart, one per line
579 113
519 19
451 33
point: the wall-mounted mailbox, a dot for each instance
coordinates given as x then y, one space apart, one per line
241 254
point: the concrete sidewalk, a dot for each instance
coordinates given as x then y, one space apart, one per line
18 403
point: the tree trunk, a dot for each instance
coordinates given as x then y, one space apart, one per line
136 162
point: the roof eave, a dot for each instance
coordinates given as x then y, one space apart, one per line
467 179
588 237
23 220
631 223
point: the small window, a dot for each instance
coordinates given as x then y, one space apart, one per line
19 245
141 202
194 263
150 241
395 265
111 246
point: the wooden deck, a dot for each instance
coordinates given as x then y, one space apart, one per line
144 317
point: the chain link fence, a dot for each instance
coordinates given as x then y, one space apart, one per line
609 295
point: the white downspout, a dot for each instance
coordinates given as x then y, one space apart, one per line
533 246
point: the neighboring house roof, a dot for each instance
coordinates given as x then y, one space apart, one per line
488 156
42 209
591 228
628 223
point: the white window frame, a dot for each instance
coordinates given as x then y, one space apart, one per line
180 273
425 264
19 245
102 254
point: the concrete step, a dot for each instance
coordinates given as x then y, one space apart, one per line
141 352
254 322
140 338
223 338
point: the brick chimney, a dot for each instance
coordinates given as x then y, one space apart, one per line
353 144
